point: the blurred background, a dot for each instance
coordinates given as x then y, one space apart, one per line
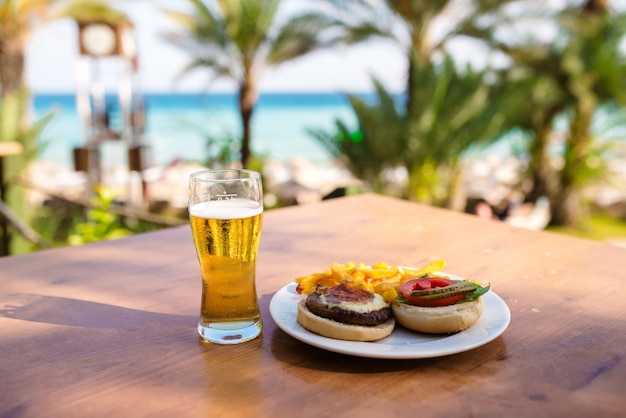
508 110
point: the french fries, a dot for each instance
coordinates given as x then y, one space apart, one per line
380 278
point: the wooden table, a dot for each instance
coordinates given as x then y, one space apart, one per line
108 329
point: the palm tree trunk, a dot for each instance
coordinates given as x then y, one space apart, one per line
410 100
539 164
12 83
14 100
419 59
569 208
11 66
247 102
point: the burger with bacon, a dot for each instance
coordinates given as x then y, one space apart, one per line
346 313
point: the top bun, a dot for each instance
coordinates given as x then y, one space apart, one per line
441 319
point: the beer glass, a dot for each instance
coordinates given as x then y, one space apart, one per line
225 211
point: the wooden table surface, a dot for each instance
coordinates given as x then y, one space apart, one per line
108 329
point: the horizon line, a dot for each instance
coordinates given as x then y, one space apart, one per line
229 92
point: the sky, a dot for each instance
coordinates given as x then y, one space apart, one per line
52 53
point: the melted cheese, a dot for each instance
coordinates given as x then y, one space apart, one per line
375 304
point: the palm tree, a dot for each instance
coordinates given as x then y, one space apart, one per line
421 28
455 111
16 22
573 77
17 19
446 110
239 39
596 67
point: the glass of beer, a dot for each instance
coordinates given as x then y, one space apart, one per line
226 211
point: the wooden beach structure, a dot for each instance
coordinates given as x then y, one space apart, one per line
109 101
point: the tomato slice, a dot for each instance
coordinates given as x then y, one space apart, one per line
428 283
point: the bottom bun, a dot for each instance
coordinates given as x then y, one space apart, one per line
337 330
441 319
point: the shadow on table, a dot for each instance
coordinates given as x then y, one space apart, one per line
288 350
81 313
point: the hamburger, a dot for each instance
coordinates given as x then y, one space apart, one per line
438 305
345 313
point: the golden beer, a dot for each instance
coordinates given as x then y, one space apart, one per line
227 235
225 211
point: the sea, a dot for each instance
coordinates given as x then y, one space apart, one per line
179 126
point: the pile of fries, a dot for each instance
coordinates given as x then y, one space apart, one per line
380 278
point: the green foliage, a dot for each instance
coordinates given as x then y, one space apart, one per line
222 148
599 227
100 224
453 112
377 144
574 75
54 218
12 109
12 128
95 10
63 223
222 151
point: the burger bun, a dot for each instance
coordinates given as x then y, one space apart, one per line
337 330
438 320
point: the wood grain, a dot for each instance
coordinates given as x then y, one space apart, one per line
109 328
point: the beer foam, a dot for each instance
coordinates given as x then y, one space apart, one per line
236 208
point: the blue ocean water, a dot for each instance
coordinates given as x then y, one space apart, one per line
178 125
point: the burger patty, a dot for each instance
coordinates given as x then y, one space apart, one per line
319 302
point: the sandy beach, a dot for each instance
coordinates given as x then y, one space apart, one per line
297 180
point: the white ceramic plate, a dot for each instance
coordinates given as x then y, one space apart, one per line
402 343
